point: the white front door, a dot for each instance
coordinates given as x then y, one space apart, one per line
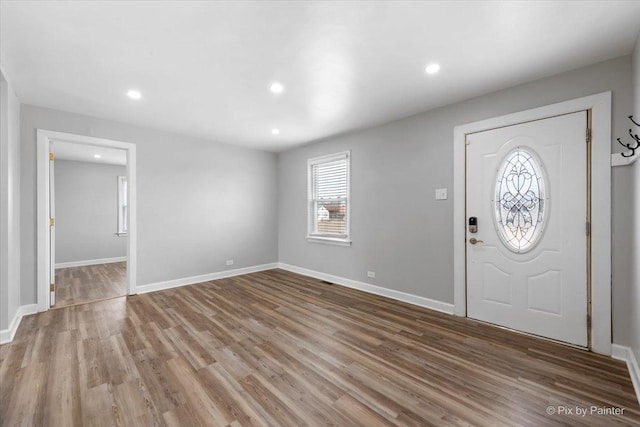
527 261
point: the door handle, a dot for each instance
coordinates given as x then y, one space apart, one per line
473 241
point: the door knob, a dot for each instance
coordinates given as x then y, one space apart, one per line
473 241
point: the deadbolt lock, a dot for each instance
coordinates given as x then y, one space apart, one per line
473 224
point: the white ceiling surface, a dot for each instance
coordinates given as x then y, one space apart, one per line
204 68
86 153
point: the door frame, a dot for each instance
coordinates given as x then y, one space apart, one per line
600 106
44 138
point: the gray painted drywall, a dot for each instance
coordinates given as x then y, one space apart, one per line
398 229
634 292
9 203
86 211
199 202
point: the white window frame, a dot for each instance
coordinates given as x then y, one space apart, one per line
122 201
319 238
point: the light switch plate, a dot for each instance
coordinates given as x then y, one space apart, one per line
441 194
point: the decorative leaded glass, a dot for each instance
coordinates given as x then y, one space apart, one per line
520 200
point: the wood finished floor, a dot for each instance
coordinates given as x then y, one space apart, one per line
77 285
275 348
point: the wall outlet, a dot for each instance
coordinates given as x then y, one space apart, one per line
229 262
371 274
441 194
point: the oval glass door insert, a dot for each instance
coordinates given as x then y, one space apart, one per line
520 200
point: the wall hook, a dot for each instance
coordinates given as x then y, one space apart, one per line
632 146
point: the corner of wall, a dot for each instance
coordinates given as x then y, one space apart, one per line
635 273
4 188
7 335
9 203
626 354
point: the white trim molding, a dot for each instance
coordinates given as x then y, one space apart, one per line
7 335
90 262
600 106
626 354
44 140
432 304
158 286
617 159
329 241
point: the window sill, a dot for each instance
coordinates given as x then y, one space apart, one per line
121 234
329 241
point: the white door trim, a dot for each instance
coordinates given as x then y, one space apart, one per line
600 106
44 138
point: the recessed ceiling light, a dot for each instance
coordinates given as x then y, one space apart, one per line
432 68
134 94
276 87
275 131
96 156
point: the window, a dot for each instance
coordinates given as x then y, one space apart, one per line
520 206
123 217
328 204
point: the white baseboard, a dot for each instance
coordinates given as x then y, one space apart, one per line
152 287
90 262
622 352
373 289
6 335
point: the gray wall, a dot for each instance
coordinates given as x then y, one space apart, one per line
9 203
400 164
634 294
86 196
199 202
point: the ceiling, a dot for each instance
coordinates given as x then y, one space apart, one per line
204 68
87 153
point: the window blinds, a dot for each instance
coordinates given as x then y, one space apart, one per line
329 196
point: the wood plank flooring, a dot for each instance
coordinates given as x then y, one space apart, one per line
77 285
275 348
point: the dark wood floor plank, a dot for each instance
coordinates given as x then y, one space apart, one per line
278 349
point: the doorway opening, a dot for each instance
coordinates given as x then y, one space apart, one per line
88 202
86 219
